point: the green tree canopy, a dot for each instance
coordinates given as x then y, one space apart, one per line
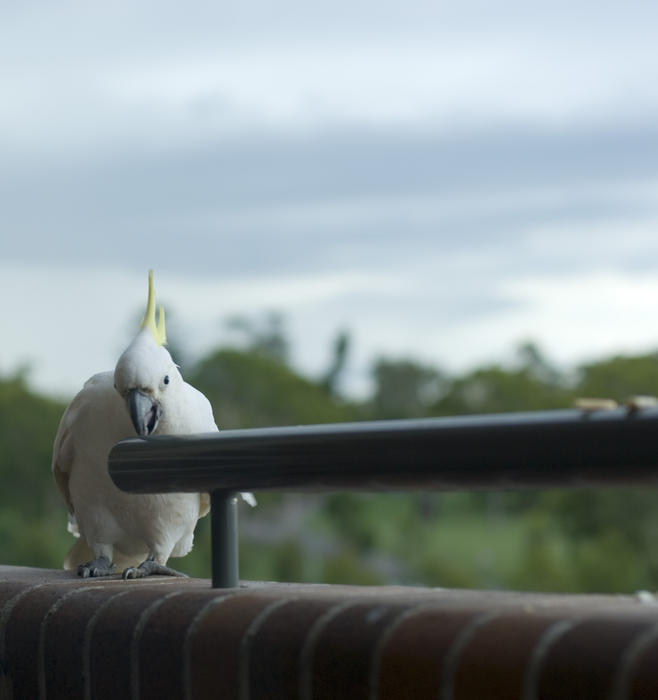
251 388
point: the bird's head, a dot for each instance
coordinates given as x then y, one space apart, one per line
145 375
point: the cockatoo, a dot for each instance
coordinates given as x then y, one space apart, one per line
145 394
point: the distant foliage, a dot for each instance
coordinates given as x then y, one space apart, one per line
32 518
620 377
251 389
405 388
265 336
339 356
603 540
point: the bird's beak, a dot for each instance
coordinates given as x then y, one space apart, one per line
145 412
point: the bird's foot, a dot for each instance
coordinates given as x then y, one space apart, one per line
101 566
150 567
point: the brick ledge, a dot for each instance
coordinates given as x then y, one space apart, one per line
62 637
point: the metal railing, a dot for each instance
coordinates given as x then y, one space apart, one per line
504 451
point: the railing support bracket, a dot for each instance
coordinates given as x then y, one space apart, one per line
224 536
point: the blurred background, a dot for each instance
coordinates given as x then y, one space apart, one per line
354 212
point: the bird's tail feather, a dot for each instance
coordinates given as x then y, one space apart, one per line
249 498
81 553
78 554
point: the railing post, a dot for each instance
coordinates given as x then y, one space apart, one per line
224 538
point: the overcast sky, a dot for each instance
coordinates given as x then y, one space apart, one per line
443 179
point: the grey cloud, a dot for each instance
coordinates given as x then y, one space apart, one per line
151 28
242 208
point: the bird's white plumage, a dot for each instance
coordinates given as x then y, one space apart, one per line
126 528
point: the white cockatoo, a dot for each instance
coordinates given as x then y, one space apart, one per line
146 395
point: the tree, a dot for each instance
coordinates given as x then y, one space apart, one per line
266 335
340 351
559 539
536 364
252 388
404 388
32 513
620 377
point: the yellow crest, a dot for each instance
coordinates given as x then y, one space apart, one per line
157 329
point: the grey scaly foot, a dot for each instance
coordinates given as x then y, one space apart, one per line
150 567
101 566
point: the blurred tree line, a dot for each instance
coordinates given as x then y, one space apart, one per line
561 540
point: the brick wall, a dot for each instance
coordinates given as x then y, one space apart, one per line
61 637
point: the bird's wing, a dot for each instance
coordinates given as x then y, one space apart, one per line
197 415
204 504
63 450
200 419
64 445
61 464
202 410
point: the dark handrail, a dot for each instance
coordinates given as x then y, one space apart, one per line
514 450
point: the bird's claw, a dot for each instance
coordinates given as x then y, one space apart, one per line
150 567
132 572
101 566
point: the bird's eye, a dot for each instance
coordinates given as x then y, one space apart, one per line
166 379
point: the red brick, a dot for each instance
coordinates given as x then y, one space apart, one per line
110 641
214 645
493 663
582 662
63 636
411 661
342 654
271 659
21 637
162 641
643 681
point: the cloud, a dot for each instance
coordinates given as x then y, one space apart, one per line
430 176
81 78
346 200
